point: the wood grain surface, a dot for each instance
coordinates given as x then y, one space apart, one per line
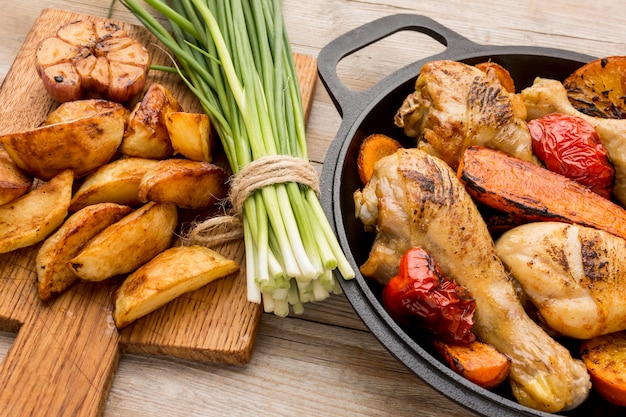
70 344
324 362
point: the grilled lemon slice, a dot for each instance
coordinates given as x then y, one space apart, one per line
598 88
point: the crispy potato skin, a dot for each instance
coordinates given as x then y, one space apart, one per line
53 276
127 244
191 135
13 181
79 109
115 182
146 135
82 144
188 184
175 271
32 217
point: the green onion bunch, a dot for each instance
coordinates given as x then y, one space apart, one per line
235 56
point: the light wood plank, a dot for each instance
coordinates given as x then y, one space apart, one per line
148 385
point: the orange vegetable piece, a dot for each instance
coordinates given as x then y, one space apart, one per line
503 75
533 193
605 358
478 362
373 148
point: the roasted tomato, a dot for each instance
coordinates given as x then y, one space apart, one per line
421 295
570 146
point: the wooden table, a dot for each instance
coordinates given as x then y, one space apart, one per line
325 361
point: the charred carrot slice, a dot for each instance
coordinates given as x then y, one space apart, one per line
522 188
478 362
372 149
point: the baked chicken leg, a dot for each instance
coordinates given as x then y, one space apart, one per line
456 105
574 275
415 199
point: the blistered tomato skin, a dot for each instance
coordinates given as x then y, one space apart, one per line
421 295
570 146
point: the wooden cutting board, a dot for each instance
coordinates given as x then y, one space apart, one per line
66 351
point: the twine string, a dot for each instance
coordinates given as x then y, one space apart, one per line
259 173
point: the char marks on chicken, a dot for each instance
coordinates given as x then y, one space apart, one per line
456 105
415 199
574 275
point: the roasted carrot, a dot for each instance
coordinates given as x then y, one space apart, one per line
503 75
605 358
478 362
533 193
373 148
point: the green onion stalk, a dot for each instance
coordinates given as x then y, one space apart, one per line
235 56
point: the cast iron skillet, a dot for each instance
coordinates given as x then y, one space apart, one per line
372 111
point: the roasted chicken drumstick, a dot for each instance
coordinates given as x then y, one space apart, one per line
415 199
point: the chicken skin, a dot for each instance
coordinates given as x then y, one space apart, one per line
575 276
478 110
415 199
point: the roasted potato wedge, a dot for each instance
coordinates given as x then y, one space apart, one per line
146 135
191 135
115 182
32 217
174 272
13 181
53 275
79 109
188 184
81 145
127 244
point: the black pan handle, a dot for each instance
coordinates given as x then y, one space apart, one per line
371 32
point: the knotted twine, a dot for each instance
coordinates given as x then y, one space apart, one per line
257 174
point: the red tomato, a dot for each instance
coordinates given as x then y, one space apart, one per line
570 146
420 294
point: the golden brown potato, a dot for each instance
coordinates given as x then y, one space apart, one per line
174 272
13 181
32 217
191 135
188 184
53 275
127 244
146 135
81 145
78 109
115 182
85 58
